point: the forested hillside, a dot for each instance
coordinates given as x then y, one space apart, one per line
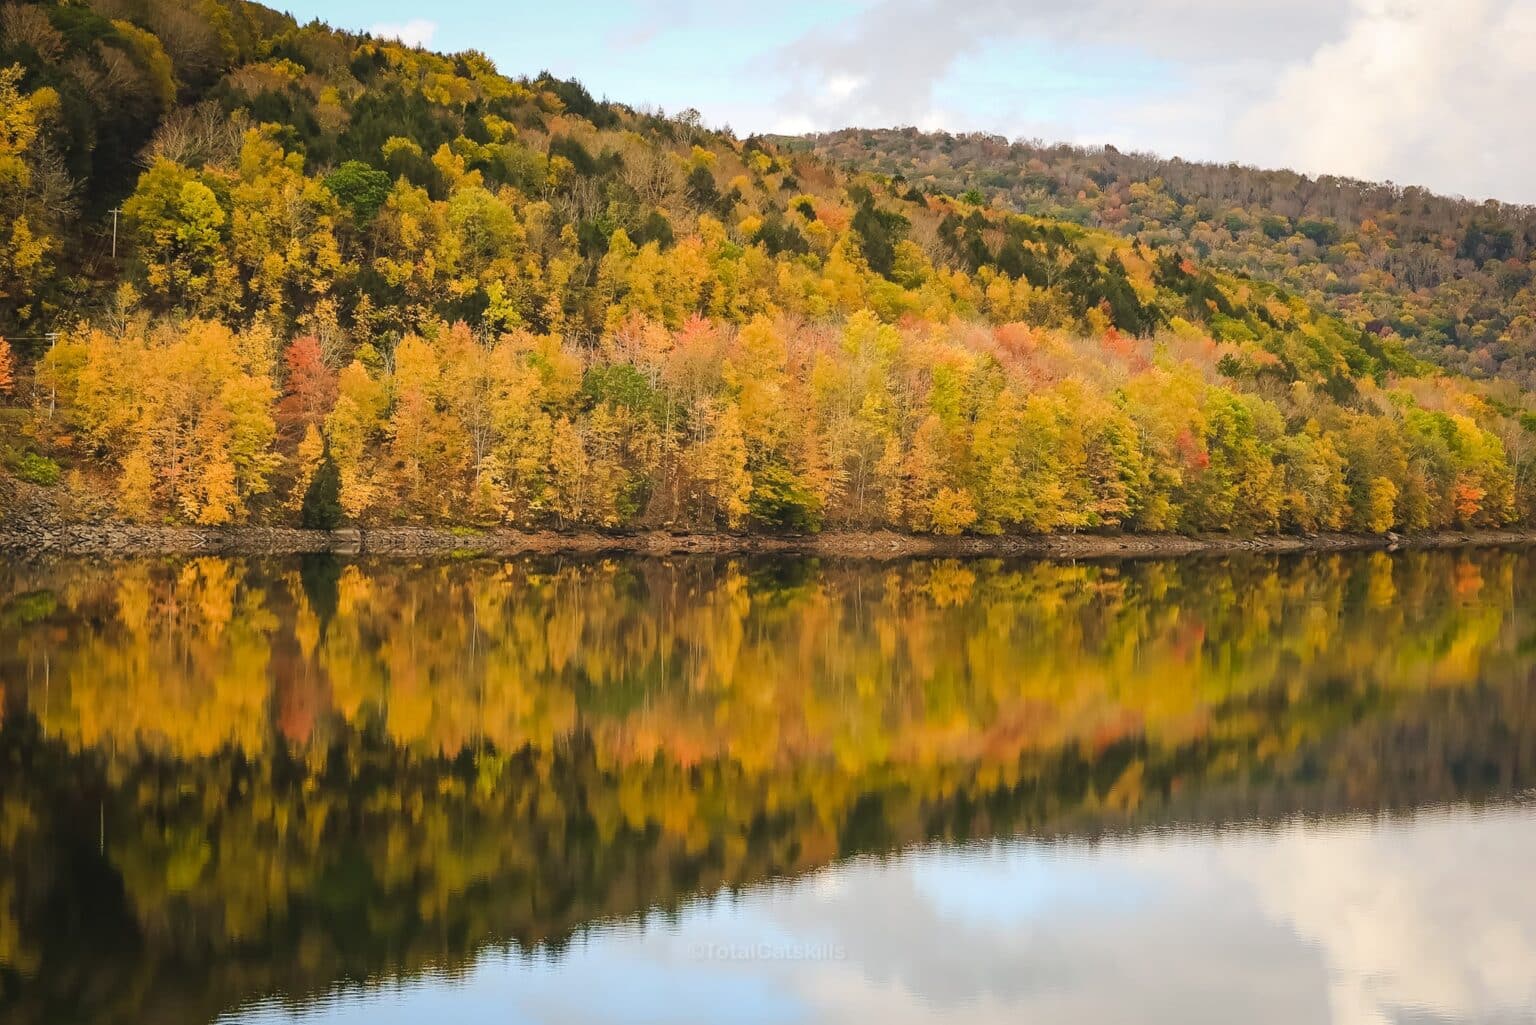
358 281
1455 278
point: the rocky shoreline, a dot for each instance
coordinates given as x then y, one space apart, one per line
21 540
33 526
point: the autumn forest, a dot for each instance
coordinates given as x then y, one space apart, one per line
259 272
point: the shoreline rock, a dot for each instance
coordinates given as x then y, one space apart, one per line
33 538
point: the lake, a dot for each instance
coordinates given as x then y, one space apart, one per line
701 789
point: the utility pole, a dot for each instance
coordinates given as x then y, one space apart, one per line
115 211
53 390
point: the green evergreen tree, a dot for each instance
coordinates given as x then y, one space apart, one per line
322 500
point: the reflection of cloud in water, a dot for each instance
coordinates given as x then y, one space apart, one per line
1364 922
1429 919
1057 933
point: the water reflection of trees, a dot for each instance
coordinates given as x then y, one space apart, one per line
223 778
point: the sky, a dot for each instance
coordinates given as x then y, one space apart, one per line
1421 92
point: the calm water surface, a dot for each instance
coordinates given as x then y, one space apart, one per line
712 790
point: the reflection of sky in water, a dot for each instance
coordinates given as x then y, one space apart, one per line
1428 919
1001 886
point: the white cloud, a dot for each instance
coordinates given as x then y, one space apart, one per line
794 124
1418 91
416 32
840 87
902 49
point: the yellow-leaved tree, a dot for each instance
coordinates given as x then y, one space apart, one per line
7 369
34 197
185 411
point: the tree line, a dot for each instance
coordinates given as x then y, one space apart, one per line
776 424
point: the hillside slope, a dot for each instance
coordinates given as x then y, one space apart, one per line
359 281
1456 279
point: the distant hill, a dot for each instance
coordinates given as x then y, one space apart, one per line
265 271
1455 278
